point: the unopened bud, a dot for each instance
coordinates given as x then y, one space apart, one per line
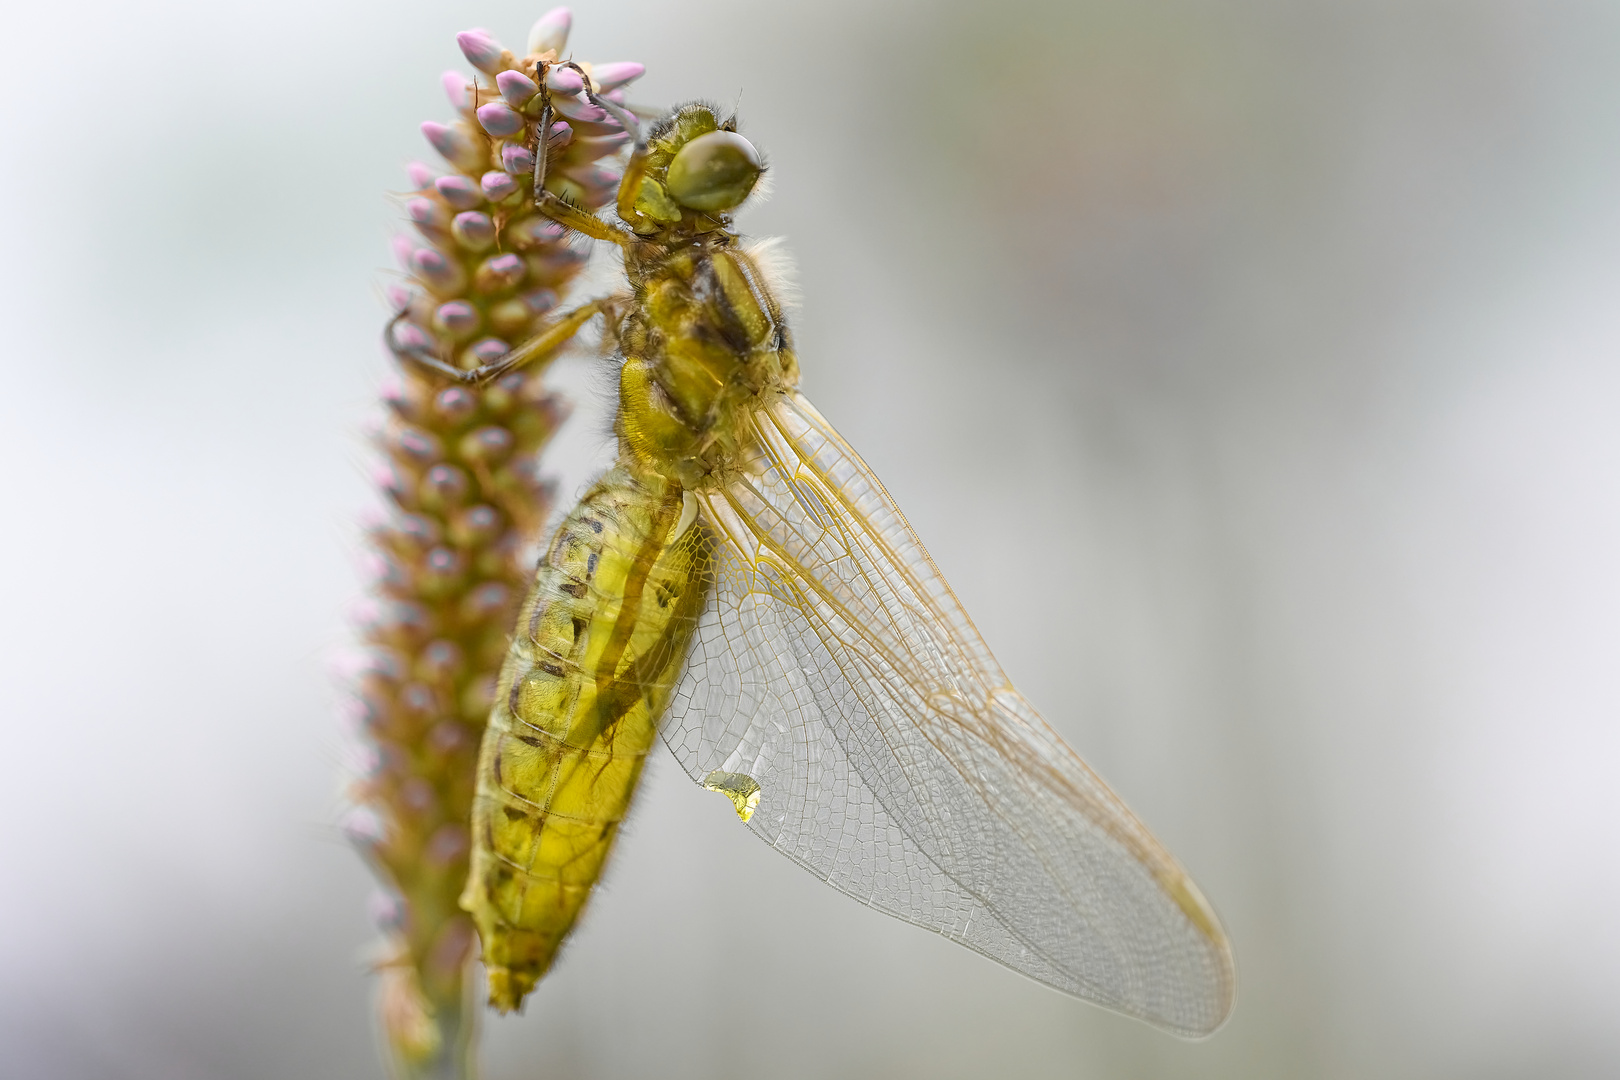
454 144
499 273
577 108
483 51
517 160
444 276
550 31
488 350
497 185
421 176
429 216
455 88
500 119
457 319
473 230
613 76
565 81
455 403
600 146
460 192
516 87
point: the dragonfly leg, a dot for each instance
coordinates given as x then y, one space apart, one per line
558 209
634 169
566 213
416 354
540 346
543 344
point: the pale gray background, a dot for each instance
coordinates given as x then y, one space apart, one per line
1251 369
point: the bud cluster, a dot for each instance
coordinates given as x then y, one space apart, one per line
485 273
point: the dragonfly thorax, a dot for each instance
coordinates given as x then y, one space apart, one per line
704 345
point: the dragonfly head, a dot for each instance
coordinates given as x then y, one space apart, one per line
698 171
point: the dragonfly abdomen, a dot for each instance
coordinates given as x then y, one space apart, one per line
596 651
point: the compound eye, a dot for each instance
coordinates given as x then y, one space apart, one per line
714 172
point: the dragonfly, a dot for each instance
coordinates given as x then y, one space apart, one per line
741 583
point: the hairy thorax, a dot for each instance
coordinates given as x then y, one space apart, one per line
705 345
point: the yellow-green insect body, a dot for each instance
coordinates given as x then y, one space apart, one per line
705 338
605 629
701 348
757 594
596 652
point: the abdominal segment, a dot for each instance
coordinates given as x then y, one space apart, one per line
597 651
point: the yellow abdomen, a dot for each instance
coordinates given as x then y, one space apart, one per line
597 651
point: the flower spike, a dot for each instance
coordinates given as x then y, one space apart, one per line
458 473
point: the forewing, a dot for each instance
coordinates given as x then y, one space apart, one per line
834 666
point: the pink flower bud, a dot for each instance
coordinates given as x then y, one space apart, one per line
516 87
418 445
598 146
387 911
404 251
409 336
455 403
613 76
385 664
534 232
499 119
539 301
490 443
420 175
566 81
457 318
473 230
577 108
517 160
427 214
442 274
391 389
418 794
364 828
497 185
455 88
454 144
499 273
550 31
444 485
413 696
460 192
488 350
439 662
481 50
420 530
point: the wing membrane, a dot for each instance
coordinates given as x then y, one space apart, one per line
835 667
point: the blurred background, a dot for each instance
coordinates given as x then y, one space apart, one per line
1284 336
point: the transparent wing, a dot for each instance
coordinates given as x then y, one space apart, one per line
835 669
